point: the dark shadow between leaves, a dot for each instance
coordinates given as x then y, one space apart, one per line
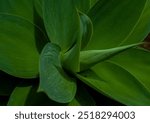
41 38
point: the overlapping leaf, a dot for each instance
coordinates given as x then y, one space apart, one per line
118 22
53 80
62 22
90 58
117 83
70 60
86 29
23 8
18 50
136 62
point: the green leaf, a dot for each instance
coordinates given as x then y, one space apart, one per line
137 63
114 23
70 60
86 29
91 57
23 8
18 46
62 22
82 5
53 80
27 95
19 96
117 83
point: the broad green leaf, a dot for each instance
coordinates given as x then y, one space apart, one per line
137 63
117 22
19 96
117 83
61 22
91 57
23 8
86 29
82 98
53 80
82 5
19 55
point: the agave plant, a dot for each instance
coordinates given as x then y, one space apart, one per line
51 47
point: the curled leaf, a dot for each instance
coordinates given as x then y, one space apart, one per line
53 79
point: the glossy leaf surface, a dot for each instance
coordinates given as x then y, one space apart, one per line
90 58
114 23
18 46
61 22
136 62
117 83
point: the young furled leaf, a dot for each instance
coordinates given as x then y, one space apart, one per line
90 58
86 29
70 59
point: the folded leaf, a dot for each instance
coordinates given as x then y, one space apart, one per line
71 57
117 83
53 80
70 60
62 22
23 8
18 46
114 23
86 29
91 57
137 63
82 5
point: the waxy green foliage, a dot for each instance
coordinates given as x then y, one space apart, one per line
96 42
